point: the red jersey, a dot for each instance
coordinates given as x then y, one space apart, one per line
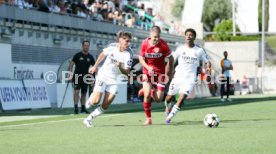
154 55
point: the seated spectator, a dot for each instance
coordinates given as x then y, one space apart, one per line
130 22
42 6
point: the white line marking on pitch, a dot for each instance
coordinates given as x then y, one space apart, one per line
56 121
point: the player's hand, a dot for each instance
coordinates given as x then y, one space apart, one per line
118 64
170 74
70 77
93 69
150 70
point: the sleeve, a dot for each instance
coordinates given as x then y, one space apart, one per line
75 58
166 49
106 51
176 53
142 50
128 60
204 56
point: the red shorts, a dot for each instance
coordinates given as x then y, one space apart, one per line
158 80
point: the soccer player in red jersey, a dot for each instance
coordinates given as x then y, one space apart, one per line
156 72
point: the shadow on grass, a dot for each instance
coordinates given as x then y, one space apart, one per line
182 123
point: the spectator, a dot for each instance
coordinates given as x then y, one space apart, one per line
226 66
82 60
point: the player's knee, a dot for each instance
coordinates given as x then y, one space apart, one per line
158 100
168 98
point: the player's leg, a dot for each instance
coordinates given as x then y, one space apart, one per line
184 92
111 91
228 89
84 88
95 99
76 97
222 89
173 90
168 104
160 81
147 102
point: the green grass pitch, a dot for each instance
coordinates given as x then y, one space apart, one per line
248 125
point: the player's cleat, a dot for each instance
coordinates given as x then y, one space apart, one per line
167 121
87 123
229 100
222 100
141 92
84 111
148 122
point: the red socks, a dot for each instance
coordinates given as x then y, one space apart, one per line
147 109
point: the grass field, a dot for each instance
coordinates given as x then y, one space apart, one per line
248 125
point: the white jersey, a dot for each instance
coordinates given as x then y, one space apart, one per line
188 61
109 72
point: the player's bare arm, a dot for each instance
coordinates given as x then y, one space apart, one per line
144 64
71 64
124 70
93 69
170 67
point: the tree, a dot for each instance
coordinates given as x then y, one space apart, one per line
266 14
223 30
178 6
215 11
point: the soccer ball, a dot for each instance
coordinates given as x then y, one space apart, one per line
211 120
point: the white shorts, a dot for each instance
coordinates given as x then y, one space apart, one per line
102 86
181 86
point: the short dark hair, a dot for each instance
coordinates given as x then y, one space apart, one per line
190 30
155 29
85 41
122 33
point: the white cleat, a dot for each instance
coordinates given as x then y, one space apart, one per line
222 100
87 123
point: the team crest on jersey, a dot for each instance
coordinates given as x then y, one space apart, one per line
88 59
156 50
81 58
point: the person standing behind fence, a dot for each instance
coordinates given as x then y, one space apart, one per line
226 66
82 61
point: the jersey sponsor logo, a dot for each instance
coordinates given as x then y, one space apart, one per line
112 59
189 60
153 55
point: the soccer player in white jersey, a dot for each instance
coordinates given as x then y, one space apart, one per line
188 57
118 61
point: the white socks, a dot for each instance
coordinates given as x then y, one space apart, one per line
173 112
97 112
